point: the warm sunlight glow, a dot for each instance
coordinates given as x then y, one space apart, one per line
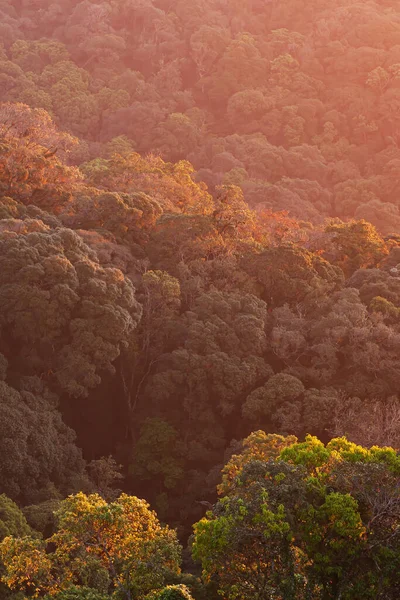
200 300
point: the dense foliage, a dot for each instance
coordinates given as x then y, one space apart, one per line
199 238
118 547
295 102
304 520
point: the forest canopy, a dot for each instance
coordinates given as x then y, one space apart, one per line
199 300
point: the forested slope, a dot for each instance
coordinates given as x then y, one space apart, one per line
199 238
296 102
160 322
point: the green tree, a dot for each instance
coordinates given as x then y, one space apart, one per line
290 274
246 543
78 593
156 454
12 519
306 523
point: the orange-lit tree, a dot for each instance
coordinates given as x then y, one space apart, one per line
119 548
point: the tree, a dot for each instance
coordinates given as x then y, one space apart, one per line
246 107
354 245
118 547
41 517
36 55
29 168
177 136
78 593
105 473
207 44
128 217
266 400
238 67
12 522
12 519
159 294
171 592
156 454
40 458
245 543
290 274
58 301
305 523
169 184
258 446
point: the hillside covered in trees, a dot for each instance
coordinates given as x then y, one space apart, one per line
199 239
296 102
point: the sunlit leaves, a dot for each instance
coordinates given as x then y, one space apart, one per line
306 512
120 545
